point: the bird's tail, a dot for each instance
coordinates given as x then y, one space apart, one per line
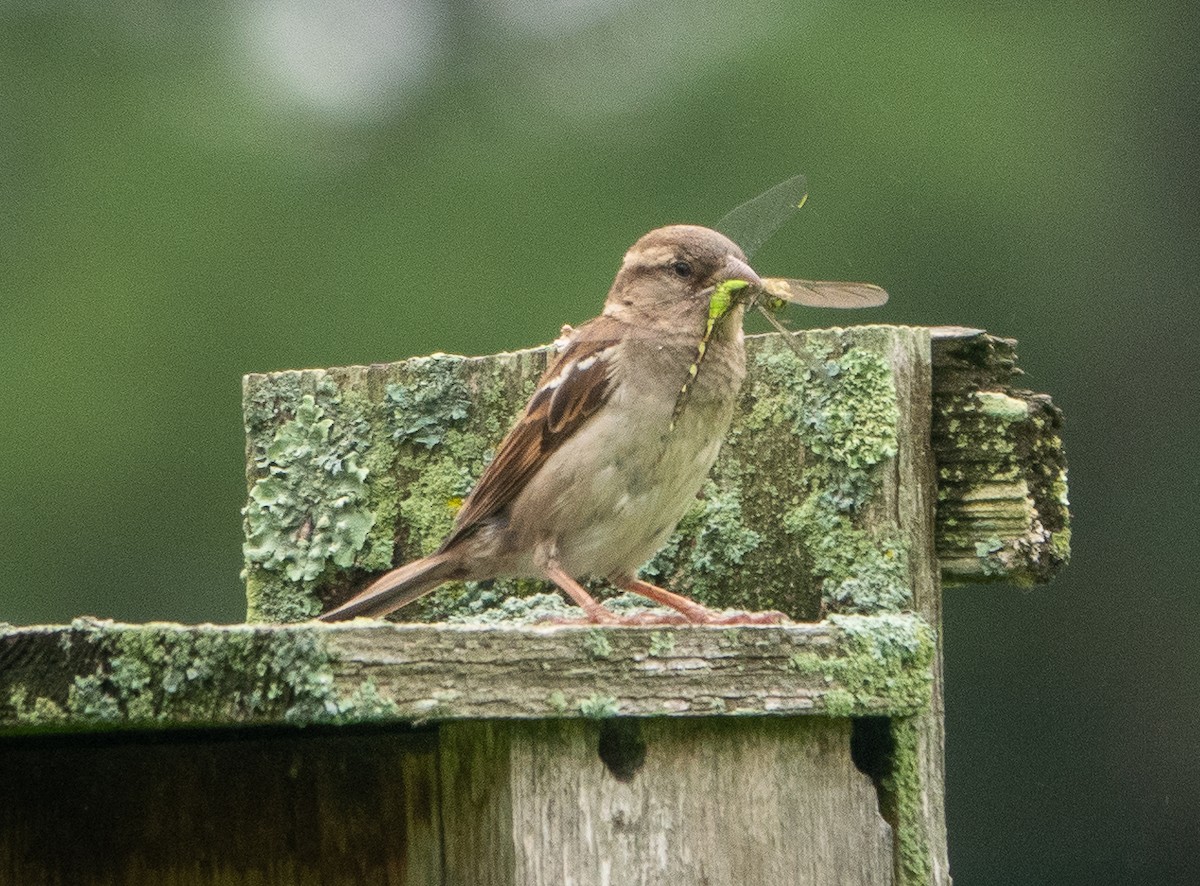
396 588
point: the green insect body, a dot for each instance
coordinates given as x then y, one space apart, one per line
721 301
719 304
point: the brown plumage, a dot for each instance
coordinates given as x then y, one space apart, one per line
599 469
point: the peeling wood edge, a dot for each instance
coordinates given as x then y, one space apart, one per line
1003 512
98 676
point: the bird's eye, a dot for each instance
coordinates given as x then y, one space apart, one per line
681 268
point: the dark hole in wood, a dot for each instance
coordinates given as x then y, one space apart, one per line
873 748
622 747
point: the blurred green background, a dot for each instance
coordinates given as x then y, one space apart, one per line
190 191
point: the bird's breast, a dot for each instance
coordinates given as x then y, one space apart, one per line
610 497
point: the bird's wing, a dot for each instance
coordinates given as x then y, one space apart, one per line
573 387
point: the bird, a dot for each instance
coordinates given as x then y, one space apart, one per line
614 444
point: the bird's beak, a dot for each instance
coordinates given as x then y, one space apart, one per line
736 269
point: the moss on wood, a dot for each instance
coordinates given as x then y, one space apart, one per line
354 470
881 654
1003 512
94 675
102 675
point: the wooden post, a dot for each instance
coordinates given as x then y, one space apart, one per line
485 749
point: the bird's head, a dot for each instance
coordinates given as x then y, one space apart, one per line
678 272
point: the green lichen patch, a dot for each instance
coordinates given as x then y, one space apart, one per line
557 702
357 420
1060 544
34 711
491 606
596 644
518 602
708 547
365 703
840 405
846 412
308 509
434 490
506 600
355 469
877 656
263 402
599 706
731 638
981 435
860 570
425 408
989 553
841 402
997 404
162 675
661 643
902 805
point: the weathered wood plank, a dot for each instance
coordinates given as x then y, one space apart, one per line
351 470
102 676
480 839
228 809
561 754
1002 472
772 801
911 778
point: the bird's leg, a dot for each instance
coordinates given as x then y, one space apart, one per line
690 609
585 601
697 613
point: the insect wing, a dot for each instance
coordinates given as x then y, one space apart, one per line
754 222
825 293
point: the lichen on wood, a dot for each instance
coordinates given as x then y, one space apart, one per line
94 675
350 468
805 456
783 522
1003 512
794 516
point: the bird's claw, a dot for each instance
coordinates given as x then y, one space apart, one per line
638 619
650 618
768 617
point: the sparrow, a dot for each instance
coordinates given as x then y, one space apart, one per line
614 444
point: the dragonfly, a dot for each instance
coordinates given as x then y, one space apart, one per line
754 222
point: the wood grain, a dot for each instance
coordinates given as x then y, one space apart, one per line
772 801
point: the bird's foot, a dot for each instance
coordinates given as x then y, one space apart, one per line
651 618
697 613
686 611
636 619
737 617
